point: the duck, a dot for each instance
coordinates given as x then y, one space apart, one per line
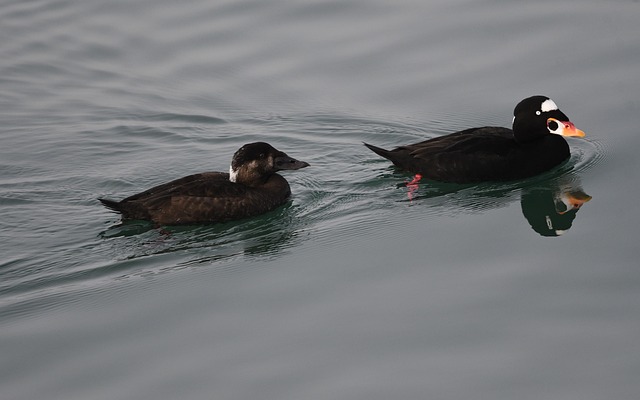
534 144
251 187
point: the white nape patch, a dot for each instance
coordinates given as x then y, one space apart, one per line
549 223
233 175
548 105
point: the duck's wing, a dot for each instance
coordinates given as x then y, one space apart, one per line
471 155
207 196
433 153
484 143
468 138
211 184
472 159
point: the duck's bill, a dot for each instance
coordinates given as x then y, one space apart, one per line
573 200
565 128
289 163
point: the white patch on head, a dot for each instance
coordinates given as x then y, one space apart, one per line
548 105
233 175
566 200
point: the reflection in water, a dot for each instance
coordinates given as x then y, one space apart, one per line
264 235
551 206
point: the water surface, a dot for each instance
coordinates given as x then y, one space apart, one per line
352 290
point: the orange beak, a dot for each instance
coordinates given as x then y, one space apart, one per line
574 200
567 128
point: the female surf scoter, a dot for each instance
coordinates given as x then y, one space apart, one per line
250 188
492 153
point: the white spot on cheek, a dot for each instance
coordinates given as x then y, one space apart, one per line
233 175
548 105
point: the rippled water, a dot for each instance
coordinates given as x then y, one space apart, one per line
360 287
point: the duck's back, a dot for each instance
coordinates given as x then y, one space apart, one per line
477 154
204 197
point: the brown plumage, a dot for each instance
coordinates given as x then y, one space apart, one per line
253 187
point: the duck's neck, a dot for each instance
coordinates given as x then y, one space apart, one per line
233 175
248 176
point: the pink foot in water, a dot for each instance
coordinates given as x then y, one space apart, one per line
412 186
415 180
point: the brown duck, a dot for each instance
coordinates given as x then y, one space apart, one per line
251 187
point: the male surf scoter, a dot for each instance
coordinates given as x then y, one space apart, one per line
251 187
492 153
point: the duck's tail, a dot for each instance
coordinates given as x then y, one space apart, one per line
112 205
127 209
379 151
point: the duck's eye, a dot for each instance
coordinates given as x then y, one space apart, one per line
552 125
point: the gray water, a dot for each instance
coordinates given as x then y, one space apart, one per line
351 290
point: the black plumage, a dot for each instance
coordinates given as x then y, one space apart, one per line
251 188
534 145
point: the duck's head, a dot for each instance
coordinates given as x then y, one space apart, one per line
254 163
537 116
